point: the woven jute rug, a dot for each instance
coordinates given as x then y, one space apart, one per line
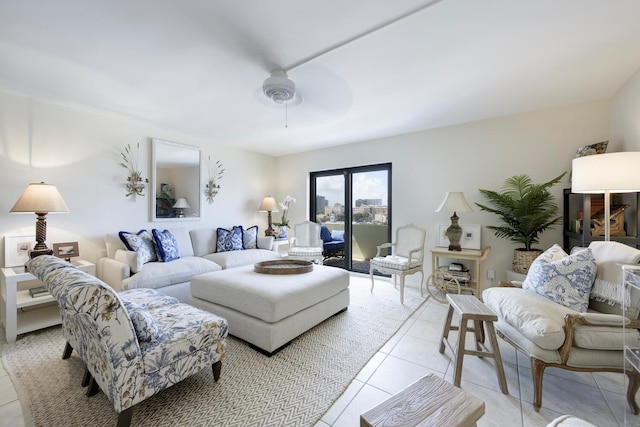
295 387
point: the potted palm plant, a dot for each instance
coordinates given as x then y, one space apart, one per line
526 209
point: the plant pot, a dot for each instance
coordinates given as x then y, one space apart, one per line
522 259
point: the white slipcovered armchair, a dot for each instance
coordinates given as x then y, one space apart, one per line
558 323
306 243
406 258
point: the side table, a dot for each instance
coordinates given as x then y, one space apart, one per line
279 244
15 319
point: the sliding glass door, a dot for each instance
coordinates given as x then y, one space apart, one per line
354 204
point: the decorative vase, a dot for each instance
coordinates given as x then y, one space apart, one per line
283 232
522 259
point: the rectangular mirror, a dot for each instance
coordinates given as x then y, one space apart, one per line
175 181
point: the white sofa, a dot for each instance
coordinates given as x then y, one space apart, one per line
197 256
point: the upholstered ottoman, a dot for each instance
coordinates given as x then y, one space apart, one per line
269 310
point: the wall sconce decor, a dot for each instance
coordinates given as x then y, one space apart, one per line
211 187
135 184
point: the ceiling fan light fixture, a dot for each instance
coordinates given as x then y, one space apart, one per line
279 88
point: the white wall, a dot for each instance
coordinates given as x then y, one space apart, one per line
79 152
465 158
625 115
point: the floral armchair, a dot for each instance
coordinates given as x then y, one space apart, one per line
135 343
568 315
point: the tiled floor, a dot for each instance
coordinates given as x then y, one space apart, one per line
413 353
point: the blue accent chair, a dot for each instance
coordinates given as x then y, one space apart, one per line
332 242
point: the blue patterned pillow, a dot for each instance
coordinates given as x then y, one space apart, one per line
167 245
250 237
229 240
144 325
566 281
142 243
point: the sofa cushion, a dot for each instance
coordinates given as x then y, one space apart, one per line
566 281
183 239
142 243
229 240
131 258
250 238
337 235
156 275
166 244
143 323
232 259
203 240
536 317
603 337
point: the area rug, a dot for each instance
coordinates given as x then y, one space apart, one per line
295 387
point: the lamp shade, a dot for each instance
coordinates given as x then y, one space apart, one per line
181 203
40 198
454 201
268 204
612 172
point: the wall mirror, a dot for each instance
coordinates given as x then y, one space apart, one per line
175 181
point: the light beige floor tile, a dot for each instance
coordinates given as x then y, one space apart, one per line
394 374
389 345
422 352
567 397
371 366
531 418
426 330
11 415
620 408
343 401
367 398
611 381
481 372
499 409
7 392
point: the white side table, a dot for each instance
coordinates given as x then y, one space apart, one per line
18 321
281 246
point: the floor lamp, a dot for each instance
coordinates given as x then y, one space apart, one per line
606 174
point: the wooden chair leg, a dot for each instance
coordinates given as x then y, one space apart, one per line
632 389
66 353
93 388
217 367
86 378
537 371
124 417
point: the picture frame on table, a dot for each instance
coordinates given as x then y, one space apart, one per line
471 234
17 248
66 250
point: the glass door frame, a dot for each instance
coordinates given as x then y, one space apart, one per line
347 174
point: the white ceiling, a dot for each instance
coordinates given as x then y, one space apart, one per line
197 66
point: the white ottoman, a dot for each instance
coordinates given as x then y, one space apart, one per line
269 310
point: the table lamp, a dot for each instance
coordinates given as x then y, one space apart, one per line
454 202
181 204
268 205
41 199
606 174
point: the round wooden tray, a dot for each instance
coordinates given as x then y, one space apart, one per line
283 266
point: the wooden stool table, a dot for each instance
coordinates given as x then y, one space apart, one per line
468 308
430 401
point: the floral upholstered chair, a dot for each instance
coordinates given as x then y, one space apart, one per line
134 344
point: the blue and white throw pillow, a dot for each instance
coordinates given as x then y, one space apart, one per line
250 237
143 323
166 244
566 281
142 243
229 240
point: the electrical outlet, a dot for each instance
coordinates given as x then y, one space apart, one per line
491 274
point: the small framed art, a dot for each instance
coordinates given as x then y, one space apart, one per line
470 236
17 248
66 250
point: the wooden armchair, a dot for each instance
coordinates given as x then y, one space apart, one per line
553 335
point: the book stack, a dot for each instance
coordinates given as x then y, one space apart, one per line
462 275
38 292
